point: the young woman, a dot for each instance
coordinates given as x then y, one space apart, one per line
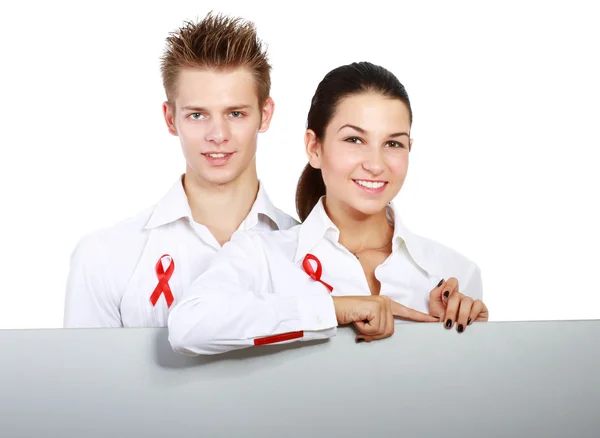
351 261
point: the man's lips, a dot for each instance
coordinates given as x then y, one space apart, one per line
217 158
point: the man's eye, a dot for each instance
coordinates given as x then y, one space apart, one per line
236 114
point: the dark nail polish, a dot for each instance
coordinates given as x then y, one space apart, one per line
447 294
468 321
359 340
460 328
440 283
449 323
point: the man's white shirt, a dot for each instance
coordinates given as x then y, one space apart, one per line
257 286
121 276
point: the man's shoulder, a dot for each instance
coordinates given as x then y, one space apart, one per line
118 236
267 241
285 221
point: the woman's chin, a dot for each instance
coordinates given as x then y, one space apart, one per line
369 208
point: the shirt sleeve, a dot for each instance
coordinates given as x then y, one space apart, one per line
236 304
90 299
473 286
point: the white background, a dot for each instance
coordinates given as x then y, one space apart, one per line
504 165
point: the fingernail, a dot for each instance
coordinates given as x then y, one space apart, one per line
449 323
440 283
359 340
468 321
447 294
460 328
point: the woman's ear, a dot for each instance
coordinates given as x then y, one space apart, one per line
313 148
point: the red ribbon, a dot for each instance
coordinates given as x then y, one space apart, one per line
278 338
315 275
163 282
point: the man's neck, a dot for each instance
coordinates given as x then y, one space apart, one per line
222 208
359 232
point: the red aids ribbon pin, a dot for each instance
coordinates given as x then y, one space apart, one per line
163 282
315 275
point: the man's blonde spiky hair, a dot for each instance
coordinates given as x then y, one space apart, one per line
217 42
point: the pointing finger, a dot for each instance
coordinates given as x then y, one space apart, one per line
411 314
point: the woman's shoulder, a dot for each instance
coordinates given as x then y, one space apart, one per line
444 262
429 252
442 249
440 258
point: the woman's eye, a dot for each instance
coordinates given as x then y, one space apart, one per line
353 140
395 144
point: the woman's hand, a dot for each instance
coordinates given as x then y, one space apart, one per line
373 315
446 302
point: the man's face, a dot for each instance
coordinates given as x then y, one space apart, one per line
217 118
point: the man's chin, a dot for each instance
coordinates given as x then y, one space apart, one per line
221 180
210 177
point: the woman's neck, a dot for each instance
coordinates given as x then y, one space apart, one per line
358 231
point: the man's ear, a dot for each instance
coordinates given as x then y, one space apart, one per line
313 148
410 143
267 114
169 114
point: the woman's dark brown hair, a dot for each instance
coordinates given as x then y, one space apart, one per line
338 84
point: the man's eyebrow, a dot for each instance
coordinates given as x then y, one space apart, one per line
238 107
362 131
193 108
201 109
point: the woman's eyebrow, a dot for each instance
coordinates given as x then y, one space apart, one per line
363 131
356 128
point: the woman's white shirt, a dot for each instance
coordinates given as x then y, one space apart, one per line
256 287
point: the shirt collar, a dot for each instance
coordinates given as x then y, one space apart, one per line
262 208
174 205
318 225
418 248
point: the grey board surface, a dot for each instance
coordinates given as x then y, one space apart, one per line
533 379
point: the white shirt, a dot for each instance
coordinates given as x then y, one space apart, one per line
114 271
256 286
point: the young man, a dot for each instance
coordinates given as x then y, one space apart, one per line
217 80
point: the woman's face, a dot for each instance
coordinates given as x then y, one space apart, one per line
363 156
